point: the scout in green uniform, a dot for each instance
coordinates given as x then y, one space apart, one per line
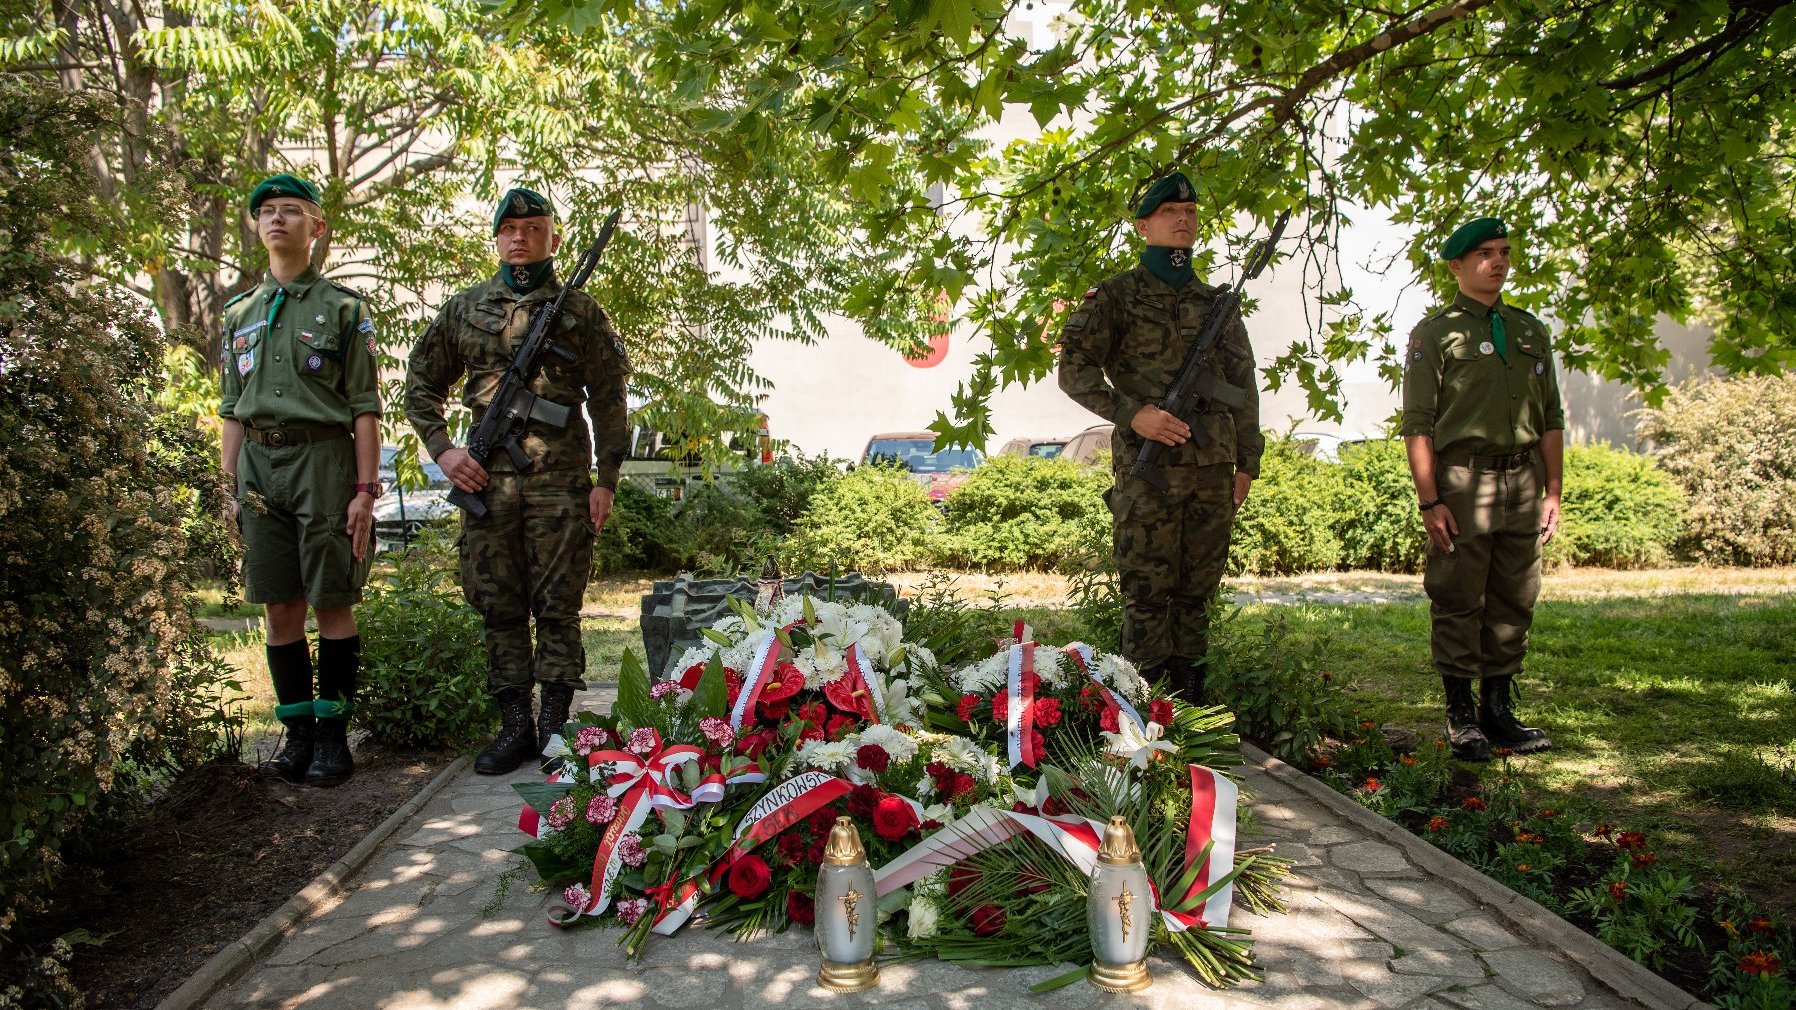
1484 427
530 557
1120 352
301 447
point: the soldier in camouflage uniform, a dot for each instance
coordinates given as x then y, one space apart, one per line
1484 427
300 449
530 557
1120 352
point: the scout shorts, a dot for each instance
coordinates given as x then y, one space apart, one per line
293 508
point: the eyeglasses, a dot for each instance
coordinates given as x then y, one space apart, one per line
270 212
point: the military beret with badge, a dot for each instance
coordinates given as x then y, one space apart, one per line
521 202
1471 235
1173 188
283 184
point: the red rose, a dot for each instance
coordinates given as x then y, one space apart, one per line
1160 710
963 785
790 848
872 757
893 818
861 800
987 920
1047 711
775 710
1107 721
968 703
750 877
800 909
1000 707
960 878
840 726
814 713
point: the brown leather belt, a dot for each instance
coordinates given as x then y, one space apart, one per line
1506 461
284 436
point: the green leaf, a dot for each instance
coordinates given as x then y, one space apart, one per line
634 708
540 796
711 696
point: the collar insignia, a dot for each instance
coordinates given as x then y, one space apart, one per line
1178 257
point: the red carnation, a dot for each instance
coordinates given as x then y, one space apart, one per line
1160 710
893 818
1047 711
1039 745
1107 721
861 800
814 713
987 920
822 820
774 710
750 877
790 848
1000 707
968 703
963 785
813 853
800 909
960 878
937 770
840 726
872 757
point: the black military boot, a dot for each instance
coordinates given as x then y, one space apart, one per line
295 757
1499 723
557 700
331 763
1195 674
517 735
1469 742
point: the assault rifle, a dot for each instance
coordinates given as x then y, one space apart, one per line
1197 383
514 406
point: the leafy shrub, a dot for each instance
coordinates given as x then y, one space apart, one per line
1025 512
1095 597
639 534
423 680
1288 522
106 513
1730 444
1284 696
1381 527
717 529
873 519
782 490
1619 510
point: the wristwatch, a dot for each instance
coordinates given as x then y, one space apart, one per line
1430 503
372 489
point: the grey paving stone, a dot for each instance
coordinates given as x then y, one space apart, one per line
1390 923
1396 990
1315 877
1536 976
486 803
439 830
1298 853
1482 932
1443 963
701 980
1333 834
1483 997
1426 899
1370 858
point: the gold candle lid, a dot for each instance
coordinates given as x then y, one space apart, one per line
1119 843
844 845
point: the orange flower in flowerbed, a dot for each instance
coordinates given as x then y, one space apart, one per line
1372 785
1437 823
1760 924
1603 831
1618 890
1522 867
1630 840
1548 814
1323 760
1761 962
1504 752
1642 860
1473 803
1409 760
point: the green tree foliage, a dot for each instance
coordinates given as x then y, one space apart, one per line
102 673
1640 150
1026 513
1731 446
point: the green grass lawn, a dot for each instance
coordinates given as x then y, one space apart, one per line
1673 714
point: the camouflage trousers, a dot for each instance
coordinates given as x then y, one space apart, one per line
1481 594
529 558
1170 552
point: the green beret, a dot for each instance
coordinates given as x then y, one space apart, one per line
1471 235
283 185
1174 188
520 202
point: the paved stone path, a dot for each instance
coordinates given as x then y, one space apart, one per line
1367 929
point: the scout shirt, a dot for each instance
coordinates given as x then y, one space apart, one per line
1122 349
301 354
479 331
1458 390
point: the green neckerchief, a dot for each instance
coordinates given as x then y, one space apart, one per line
1497 336
1170 265
523 278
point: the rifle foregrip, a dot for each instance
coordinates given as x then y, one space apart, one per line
469 503
1147 467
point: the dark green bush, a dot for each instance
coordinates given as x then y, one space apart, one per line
1025 512
423 681
1292 511
1284 695
1380 527
1730 445
1618 510
782 490
717 529
874 519
639 536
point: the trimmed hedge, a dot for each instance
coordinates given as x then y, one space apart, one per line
1618 510
871 519
1291 520
1025 512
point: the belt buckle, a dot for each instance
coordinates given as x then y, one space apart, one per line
277 439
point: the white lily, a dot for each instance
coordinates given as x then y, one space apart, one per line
1139 746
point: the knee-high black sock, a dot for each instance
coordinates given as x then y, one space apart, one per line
339 660
290 667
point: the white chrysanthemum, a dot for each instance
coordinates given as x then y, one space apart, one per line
698 655
740 657
732 626
897 745
821 664
964 755
986 676
1047 666
924 917
925 787
827 755
918 659
1120 675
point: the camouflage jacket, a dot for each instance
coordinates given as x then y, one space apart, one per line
1458 390
478 332
1122 349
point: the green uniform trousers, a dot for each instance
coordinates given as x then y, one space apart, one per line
1482 593
1170 553
530 557
293 509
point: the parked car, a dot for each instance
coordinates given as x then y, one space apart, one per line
656 462
389 472
1085 447
938 473
1046 448
401 516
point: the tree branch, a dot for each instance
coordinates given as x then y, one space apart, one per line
1755 15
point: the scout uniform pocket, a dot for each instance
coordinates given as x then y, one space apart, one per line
320 356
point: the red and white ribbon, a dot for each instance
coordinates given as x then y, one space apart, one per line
862 670
1019 713
767 656
1081 655
1214 806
